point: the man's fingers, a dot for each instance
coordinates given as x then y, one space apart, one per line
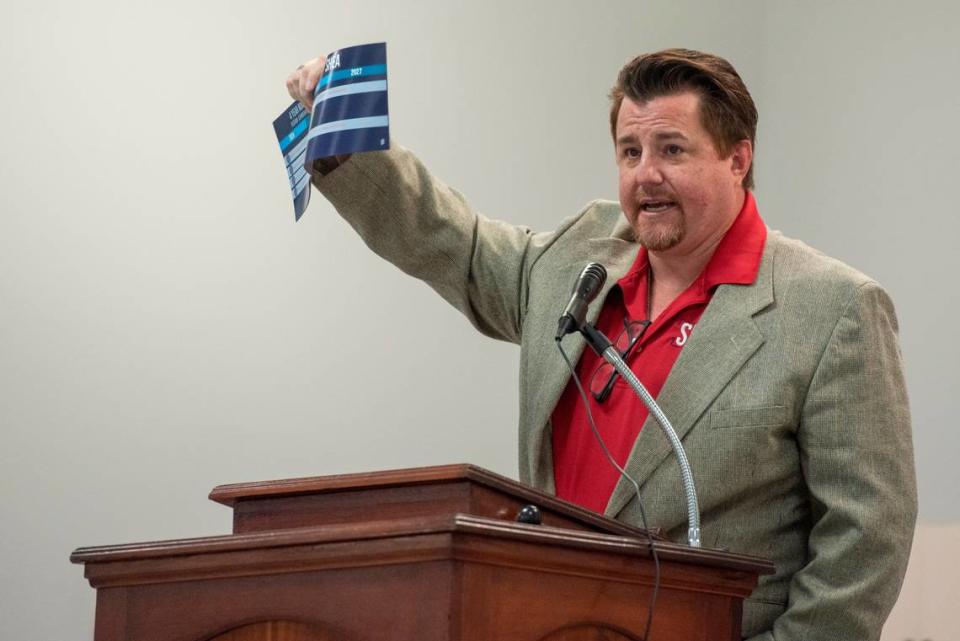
293 88
313 77
305 92
293 85
308 75
302 82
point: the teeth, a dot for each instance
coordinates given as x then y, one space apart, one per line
660 206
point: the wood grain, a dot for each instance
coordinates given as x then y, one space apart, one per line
400 494
392 556
276 631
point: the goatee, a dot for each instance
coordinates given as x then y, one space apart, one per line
659 236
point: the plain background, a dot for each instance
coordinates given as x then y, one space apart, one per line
166 327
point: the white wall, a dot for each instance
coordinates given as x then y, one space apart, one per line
927 609
166 327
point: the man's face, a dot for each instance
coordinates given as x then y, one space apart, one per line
676 191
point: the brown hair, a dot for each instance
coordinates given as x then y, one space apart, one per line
727 111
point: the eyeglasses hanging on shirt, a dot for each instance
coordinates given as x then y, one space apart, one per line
603 378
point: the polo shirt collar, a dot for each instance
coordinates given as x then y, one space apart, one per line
735 261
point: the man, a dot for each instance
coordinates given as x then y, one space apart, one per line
779 367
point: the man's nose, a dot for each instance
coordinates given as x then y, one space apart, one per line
648 171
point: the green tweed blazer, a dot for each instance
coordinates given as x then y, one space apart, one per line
789 397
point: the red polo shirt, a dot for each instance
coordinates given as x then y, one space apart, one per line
581 472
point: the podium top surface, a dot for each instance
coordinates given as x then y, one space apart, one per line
449 513
404 493
405 533
230 493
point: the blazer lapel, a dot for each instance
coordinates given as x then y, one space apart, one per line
617 255
723 340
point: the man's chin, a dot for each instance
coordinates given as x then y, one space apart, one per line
658 240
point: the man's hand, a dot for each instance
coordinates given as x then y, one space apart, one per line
300 85
302 82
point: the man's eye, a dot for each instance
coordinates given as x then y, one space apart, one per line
672 150
631 152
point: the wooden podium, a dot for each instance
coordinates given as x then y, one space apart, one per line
413 555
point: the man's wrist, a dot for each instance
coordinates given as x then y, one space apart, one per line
324 166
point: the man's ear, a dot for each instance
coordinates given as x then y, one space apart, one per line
741 158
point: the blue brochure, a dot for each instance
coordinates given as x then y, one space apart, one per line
291 129
349 116
350 104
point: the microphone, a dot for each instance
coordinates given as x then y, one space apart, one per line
587 287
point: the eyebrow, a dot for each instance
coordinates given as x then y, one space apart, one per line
669 135
660 136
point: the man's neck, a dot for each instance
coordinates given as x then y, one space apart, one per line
672 276
678 270
675 269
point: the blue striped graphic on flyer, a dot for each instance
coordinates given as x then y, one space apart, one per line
291 129
350 110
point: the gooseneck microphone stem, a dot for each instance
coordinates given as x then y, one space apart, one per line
601 344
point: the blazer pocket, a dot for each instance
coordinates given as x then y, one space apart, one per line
772 416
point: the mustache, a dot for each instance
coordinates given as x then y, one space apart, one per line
640 197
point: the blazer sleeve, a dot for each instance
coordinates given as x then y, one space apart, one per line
429 231
857 460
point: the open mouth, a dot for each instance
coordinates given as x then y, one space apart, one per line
656 206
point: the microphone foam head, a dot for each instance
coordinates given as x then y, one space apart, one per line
593 277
